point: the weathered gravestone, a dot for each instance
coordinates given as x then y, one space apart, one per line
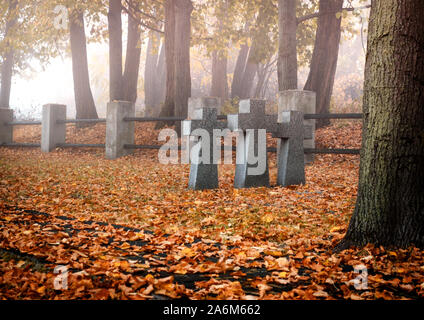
195 104
291 132
203 102
303 101
203 171
250 120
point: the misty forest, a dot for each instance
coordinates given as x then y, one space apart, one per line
211 149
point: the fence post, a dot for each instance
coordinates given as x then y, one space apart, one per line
52 133
304 101
119 132
6 132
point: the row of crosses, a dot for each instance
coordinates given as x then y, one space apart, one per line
288 127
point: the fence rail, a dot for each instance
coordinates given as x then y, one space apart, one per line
23 123
21 145
311 116
350 116
333 151
80 145
81 121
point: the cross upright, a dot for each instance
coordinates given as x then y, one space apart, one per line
291 132
248 122
203 170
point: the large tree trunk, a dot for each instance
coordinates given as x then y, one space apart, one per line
84 102
390 204
168 108
287 51
132 61
183 9
8 57
239 71
324 59
219 75
150 73
115 50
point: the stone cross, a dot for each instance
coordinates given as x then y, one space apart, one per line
203 175
249 121
304 101
291 132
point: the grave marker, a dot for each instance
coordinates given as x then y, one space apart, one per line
291 133
203 175
250 120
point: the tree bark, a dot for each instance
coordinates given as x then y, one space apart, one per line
150 74
239 71
287 50
183 10
115 50
132 61
219 75
168 108
325 55
84 102
160 84
8 57
390 204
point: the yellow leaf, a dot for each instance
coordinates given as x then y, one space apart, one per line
268 218
273 253
336 229
41 290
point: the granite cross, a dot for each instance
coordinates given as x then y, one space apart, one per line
203 170
250 120
291 132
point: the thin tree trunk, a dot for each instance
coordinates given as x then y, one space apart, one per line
160 84
287 52
239 71
115 50
325 55
84 102
150 74
262 72
8 57
390 204
249 73
168 108
219 75
132 61
183 9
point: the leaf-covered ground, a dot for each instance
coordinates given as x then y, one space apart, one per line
130 228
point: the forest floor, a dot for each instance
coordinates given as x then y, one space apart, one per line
130 228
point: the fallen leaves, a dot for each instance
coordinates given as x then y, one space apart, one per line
130 229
